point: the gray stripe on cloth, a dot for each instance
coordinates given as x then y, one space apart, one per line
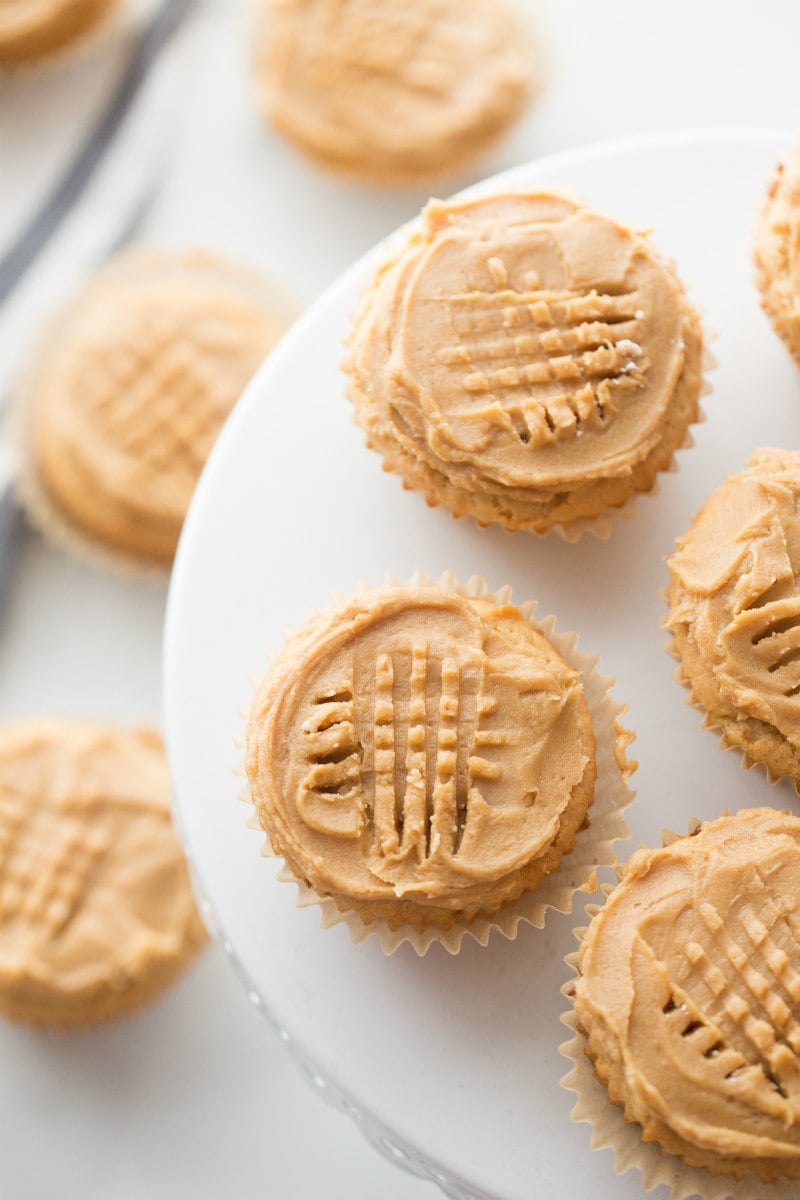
10 530
154 37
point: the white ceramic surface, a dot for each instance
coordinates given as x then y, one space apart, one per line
456 1058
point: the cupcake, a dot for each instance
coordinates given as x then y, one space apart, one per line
777 253
525 361
396 93
734 611
128 394
96 912
686 1002
34 29
423 757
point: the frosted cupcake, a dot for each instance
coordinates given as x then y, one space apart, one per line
777 255
526 361
735 611
422 758
685 1003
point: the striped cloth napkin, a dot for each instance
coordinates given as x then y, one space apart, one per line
84 142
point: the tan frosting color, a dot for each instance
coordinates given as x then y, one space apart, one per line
525 359
134 385
418 755
689 990
777 253
32 29
393 92
735 608
96 912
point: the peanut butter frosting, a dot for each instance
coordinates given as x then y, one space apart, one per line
688 991
96 912
525 360
32 29
735 609
777 253
132 389
419 756
392 92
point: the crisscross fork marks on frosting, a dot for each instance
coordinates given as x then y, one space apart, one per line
776 642
426 737
46 862
407 760
332 746
749 992
517 346
155 406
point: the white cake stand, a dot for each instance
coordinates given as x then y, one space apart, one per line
451 1065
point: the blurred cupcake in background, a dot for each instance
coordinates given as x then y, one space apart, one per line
96 911
31 30
126 396
777 253
394 93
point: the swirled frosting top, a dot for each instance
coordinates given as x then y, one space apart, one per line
690 982
416 743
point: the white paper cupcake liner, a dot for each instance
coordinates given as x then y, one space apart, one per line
594 843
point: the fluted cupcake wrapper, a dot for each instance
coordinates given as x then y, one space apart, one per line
601 525
611 1130
594 843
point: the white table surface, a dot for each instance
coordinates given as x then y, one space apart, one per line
194 1096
